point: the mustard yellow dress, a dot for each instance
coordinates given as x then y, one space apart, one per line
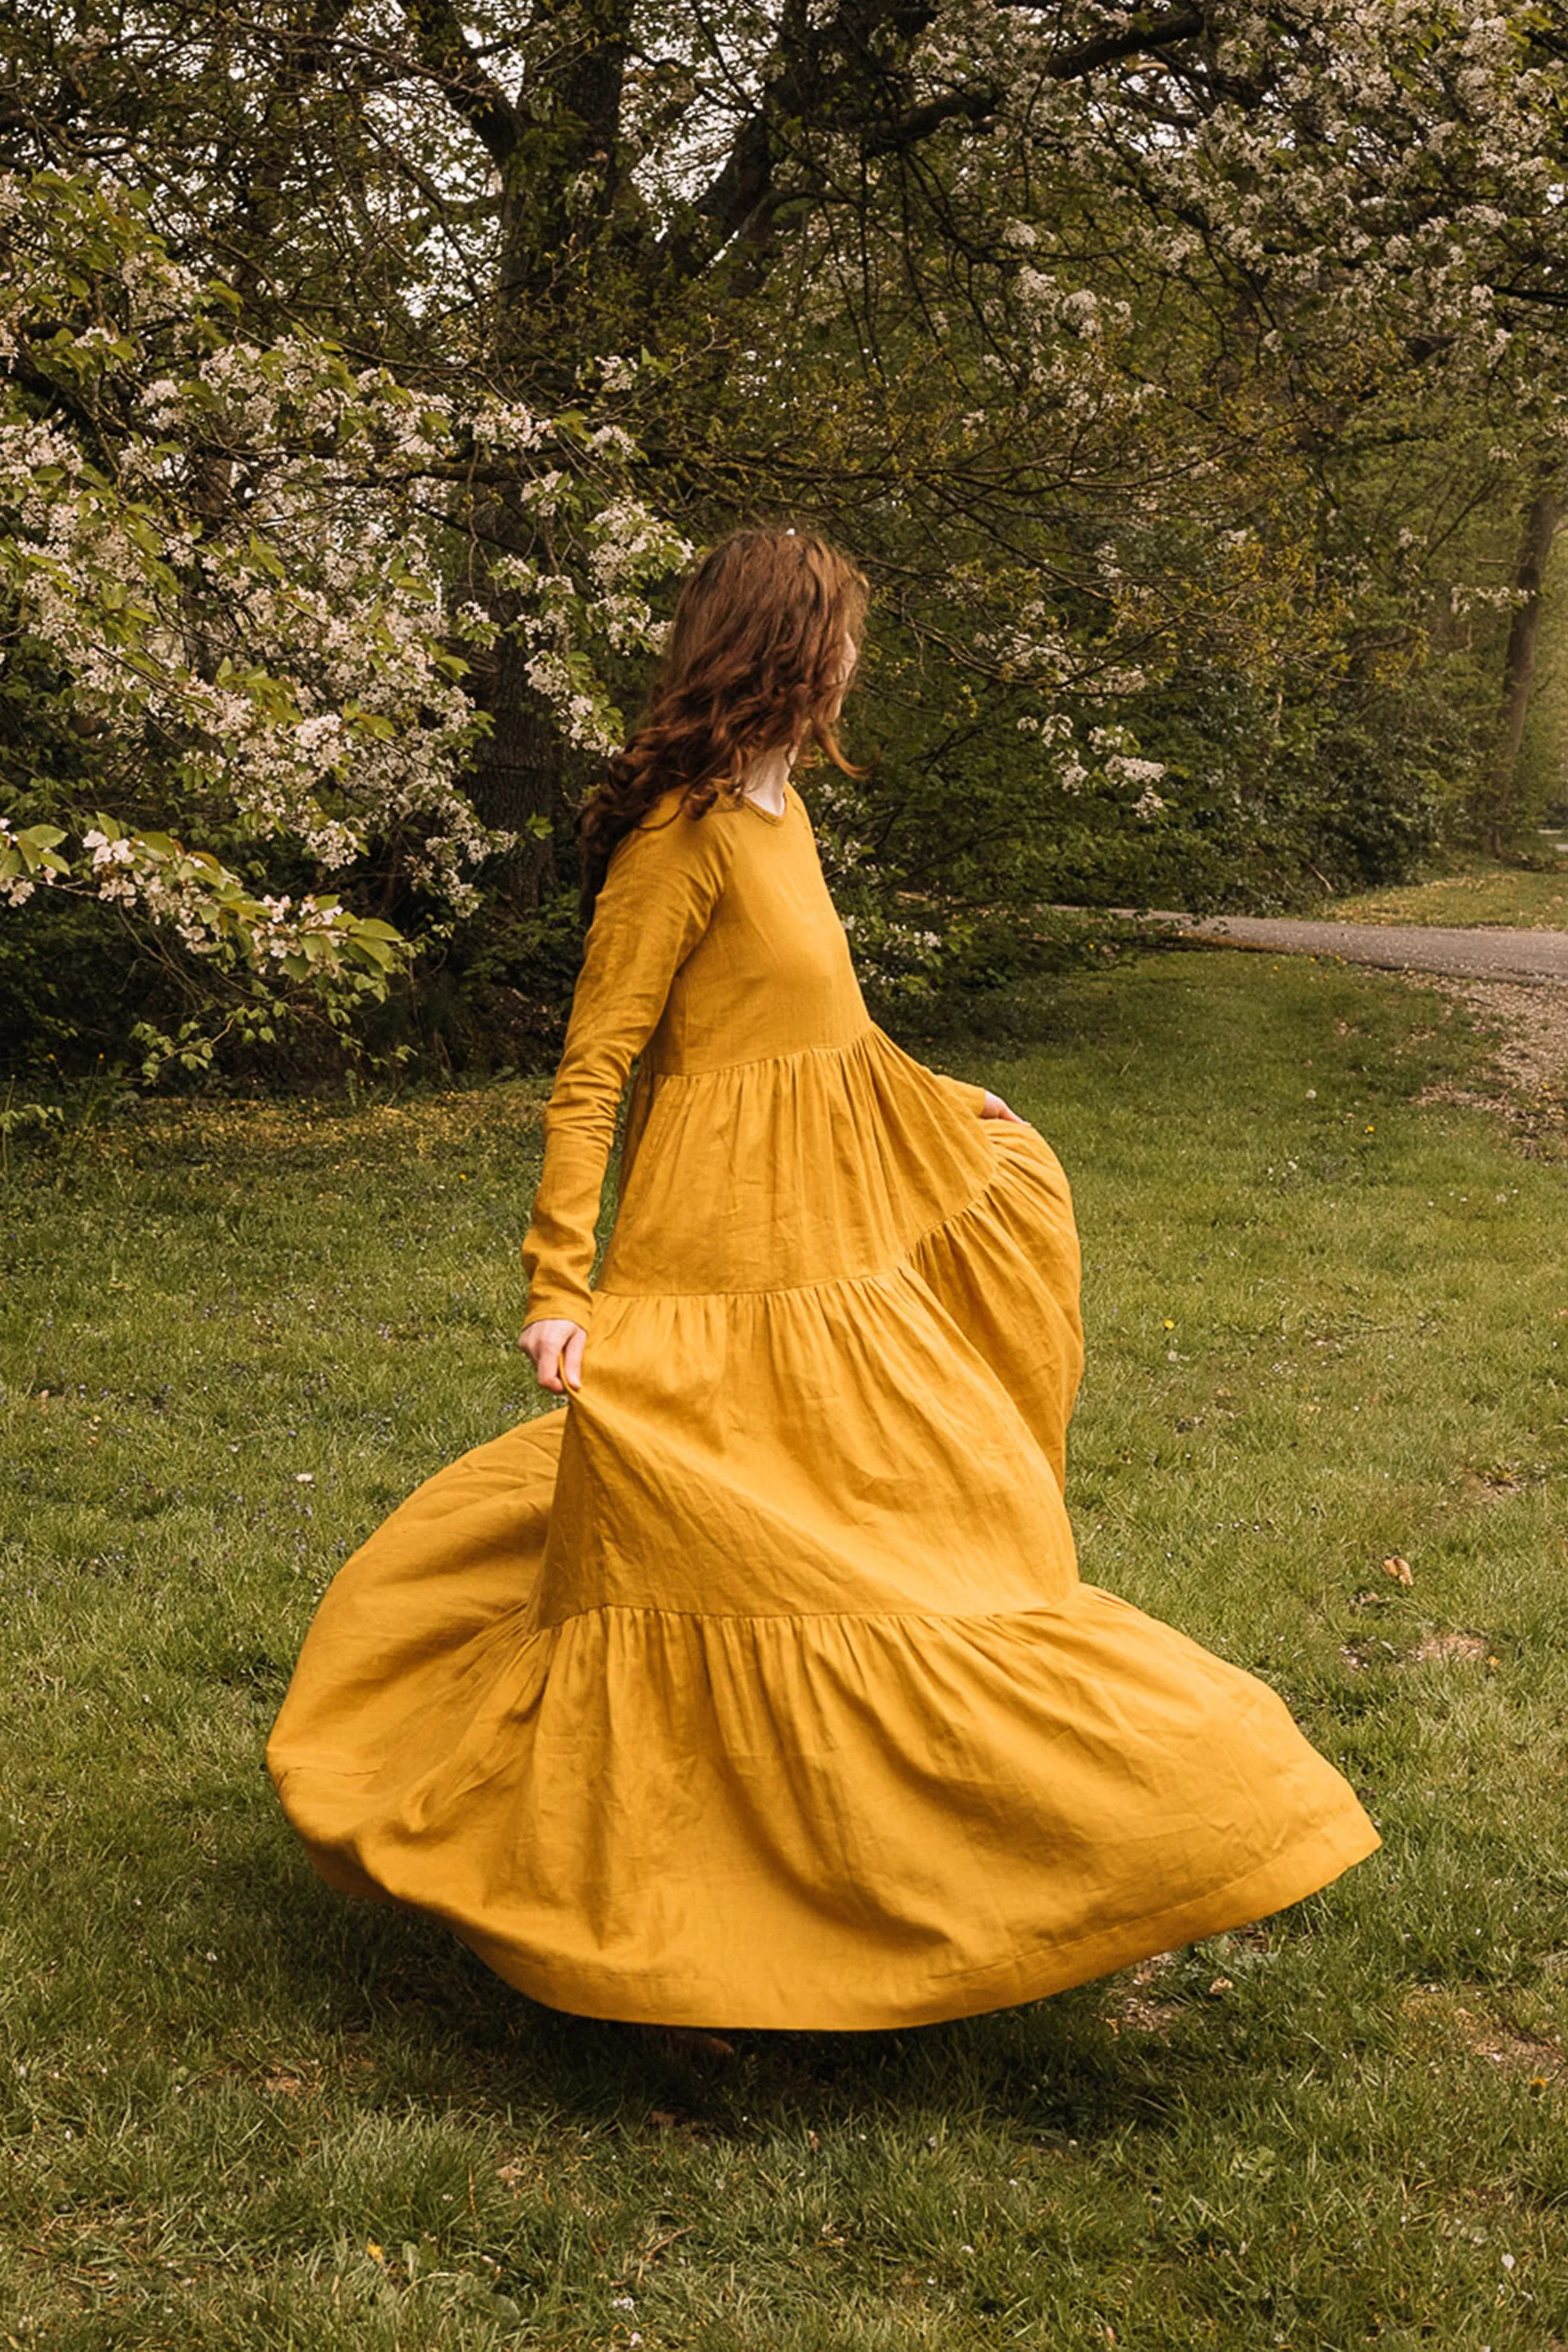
755 1685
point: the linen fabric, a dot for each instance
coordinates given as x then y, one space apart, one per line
756 1685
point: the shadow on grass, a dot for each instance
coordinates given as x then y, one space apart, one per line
439 2030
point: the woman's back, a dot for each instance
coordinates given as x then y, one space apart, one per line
776 1134
758 1686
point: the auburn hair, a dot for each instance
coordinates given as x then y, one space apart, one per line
751 662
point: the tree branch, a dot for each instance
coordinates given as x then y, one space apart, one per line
481 102
974 107
741 200
1135 40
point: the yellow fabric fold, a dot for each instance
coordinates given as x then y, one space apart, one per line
663 882
757 1685
971 1096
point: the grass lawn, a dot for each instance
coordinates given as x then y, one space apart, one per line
1328 1331
1482 891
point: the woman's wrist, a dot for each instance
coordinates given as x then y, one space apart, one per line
557 1308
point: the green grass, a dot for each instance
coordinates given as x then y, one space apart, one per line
1328 1326
1482 890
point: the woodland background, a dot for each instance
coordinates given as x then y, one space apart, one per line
1191 383
1190 380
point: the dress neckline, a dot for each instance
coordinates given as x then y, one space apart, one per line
770 816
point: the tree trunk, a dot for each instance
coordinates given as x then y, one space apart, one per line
518 772
1541 519
545 241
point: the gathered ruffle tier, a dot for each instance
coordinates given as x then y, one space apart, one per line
757 1686
792 1168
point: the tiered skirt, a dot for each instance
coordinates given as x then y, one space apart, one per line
756 1685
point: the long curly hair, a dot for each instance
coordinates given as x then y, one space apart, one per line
753 663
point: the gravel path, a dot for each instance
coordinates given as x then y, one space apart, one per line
1487 953
1511 981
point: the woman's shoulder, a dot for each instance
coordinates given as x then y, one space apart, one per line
669 832
672 803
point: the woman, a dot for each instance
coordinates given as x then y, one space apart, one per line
755 1685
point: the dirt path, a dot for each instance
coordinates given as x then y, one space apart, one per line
1513 984
1526 1082
1488 954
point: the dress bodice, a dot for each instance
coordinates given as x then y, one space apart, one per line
775 1135
772 972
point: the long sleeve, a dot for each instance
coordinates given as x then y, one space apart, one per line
972 1096
652 908
960 1090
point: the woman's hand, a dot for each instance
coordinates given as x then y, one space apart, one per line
994 1108
556 1347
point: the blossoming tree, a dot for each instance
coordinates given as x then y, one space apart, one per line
281 661
1184 374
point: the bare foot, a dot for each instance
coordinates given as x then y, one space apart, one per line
693 2038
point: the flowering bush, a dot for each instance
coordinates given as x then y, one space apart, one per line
234 557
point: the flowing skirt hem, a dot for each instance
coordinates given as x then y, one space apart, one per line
1312 1862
